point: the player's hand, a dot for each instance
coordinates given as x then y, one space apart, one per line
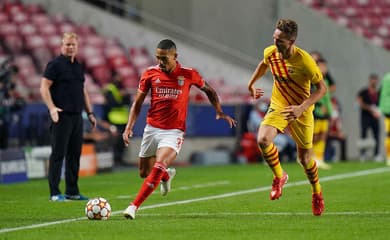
127 134
92 120
227 118
292 112
54 114
256 93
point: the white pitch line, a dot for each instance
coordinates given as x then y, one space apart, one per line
184 188
232 194
260 214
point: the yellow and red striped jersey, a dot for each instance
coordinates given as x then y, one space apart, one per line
292 76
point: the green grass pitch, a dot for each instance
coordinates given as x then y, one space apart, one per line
214 202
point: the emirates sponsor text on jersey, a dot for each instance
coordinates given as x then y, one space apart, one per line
171 93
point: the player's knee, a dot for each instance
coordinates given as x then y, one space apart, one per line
143 173
263 141
304 159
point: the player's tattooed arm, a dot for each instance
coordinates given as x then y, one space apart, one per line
212 96
214 100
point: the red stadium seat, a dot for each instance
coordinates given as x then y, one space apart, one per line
8 28
101 74
126 71
27 29
3 18
47 29
111 51
35 41
386 43
93 40
92 59
42 55
19 17
33 8
40 19
66 27
14 43
11 7
54 42
368 18
118 61
85 30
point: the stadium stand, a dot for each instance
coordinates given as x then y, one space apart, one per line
368 18
32 37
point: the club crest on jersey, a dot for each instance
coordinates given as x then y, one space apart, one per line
290 70
157 80
180 80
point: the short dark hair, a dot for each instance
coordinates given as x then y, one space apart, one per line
321 60
166 44
289 27
373 76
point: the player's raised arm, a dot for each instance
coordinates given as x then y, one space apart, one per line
214 100
260 70
133 114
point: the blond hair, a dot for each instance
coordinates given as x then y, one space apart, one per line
69 35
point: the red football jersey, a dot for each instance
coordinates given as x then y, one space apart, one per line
169 95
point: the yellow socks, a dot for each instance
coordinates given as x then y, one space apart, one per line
387 146
319 150
311 171
271 156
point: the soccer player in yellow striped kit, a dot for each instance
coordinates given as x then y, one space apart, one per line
293 70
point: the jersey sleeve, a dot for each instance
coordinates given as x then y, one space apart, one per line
267 53
145 82
313 71
197 79
50 71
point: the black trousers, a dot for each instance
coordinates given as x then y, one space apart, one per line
66 141
4 134
119 146
373 124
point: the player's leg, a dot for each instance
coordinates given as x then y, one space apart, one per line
265 139
169 174
302 132
164 156
387 140
145 165
60 135
319 142
310 167
311 171
316 138
376 132
168 145
147 158
363 135
171 139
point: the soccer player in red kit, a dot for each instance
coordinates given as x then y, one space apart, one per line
169 84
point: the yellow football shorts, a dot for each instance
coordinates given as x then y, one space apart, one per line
387 125
301 129
321 125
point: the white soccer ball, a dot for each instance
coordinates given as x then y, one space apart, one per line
98 209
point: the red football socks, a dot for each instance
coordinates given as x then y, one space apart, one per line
150 183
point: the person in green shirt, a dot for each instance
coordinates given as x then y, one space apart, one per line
322 113
384 106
